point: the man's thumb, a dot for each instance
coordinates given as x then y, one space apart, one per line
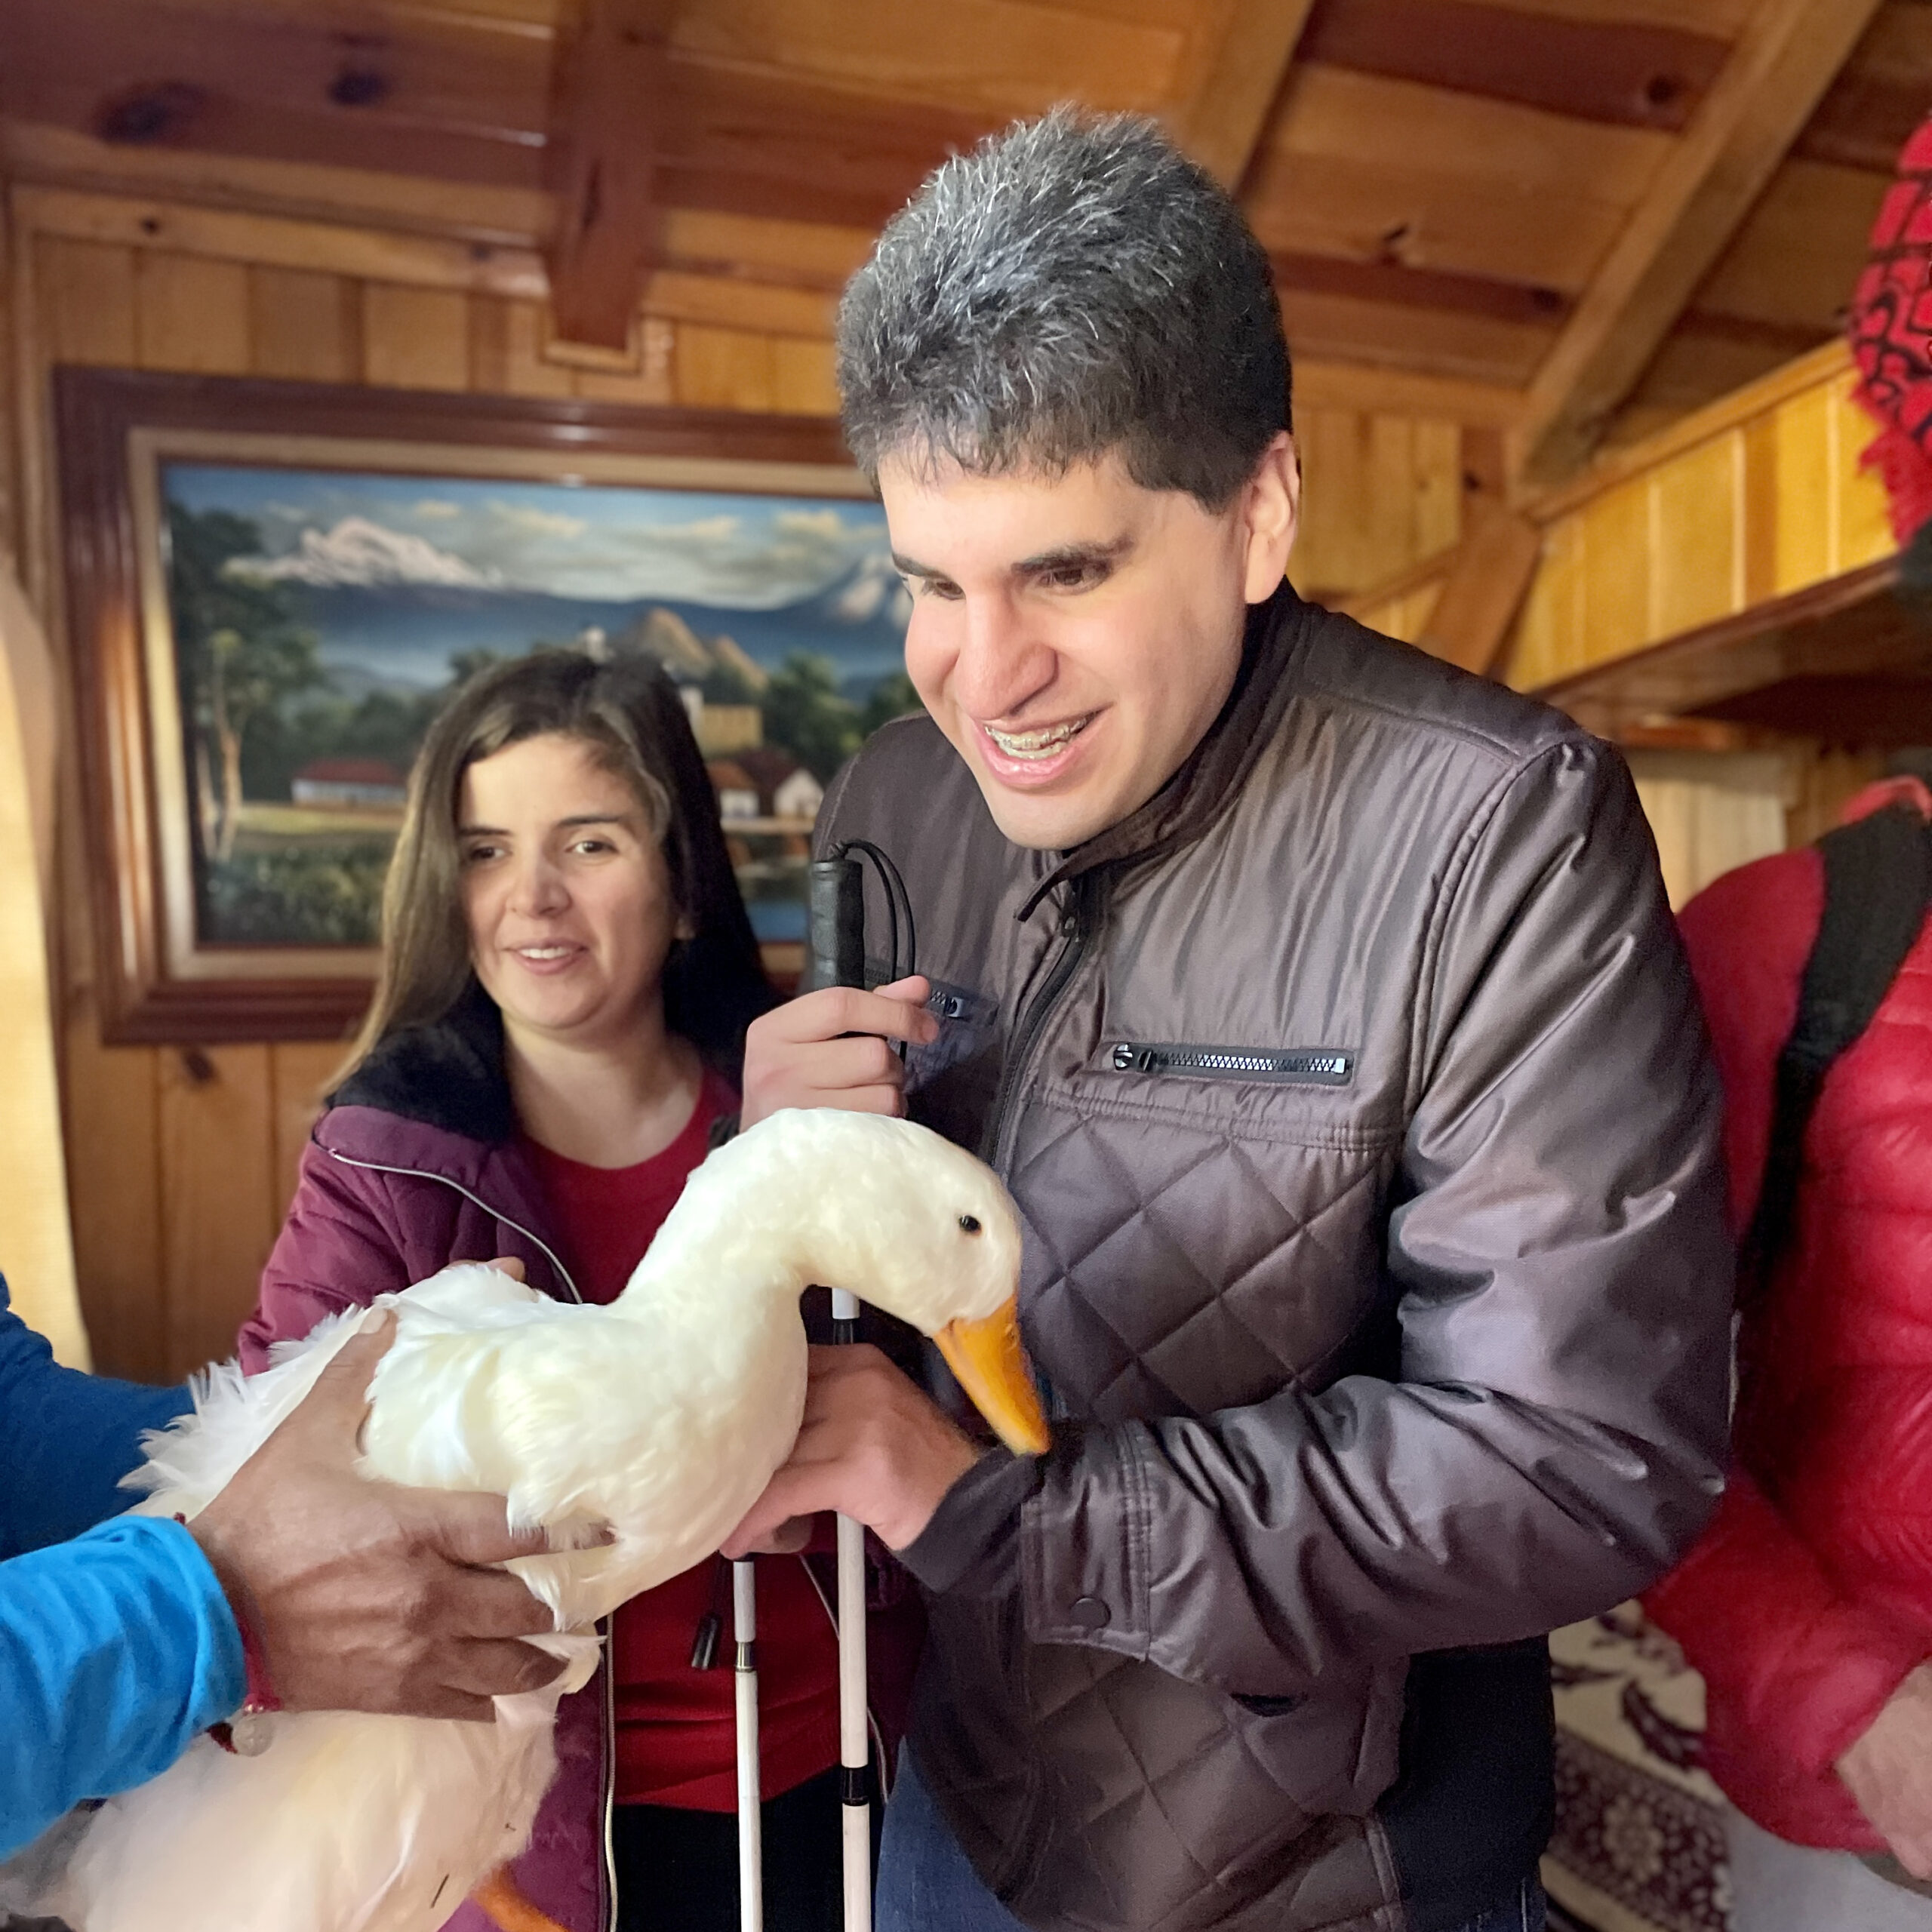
343 1385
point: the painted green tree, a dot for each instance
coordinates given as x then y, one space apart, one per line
805 715
241 651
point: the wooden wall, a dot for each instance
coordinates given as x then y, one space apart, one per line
181 1160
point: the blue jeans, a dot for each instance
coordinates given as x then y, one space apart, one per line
926 1883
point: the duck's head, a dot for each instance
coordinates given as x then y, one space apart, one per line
903 1220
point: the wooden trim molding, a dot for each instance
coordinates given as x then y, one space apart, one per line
1851 626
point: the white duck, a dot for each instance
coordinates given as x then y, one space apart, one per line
663 1415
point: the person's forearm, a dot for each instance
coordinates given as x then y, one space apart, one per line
1260 1550
69 1439
116 1650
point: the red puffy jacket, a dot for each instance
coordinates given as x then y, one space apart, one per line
1810 1596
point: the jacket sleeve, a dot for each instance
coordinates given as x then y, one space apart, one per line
117 1649
337 1249
1798 1668
69 1439
1556 1247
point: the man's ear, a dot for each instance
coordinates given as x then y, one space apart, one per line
1271 509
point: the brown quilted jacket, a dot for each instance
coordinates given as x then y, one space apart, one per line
1356 1097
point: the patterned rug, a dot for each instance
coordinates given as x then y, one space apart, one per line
1639 1839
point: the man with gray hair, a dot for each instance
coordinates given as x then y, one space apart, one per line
1321 1006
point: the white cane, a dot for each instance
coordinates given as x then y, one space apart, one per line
835 927
751 1828
854 1733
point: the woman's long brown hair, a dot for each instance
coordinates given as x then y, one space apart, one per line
629 712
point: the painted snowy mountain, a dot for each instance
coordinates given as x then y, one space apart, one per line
391 607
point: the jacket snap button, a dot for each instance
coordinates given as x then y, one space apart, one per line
1090 1613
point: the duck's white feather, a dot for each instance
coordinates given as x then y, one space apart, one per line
662 1416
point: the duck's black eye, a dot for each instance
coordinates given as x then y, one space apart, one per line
969 1224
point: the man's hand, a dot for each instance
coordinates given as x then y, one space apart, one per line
872 1446
1889 1771
366 1596
832 1049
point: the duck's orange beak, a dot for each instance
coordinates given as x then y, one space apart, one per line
991 1365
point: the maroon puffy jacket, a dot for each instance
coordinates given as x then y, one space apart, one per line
1810 1595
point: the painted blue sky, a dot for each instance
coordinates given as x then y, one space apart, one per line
331 529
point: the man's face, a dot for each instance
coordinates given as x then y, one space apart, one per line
1075 635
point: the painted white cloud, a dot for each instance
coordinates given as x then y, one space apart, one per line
594 546
356 551
826 523
539 522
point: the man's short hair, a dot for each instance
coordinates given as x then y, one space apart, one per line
1073 287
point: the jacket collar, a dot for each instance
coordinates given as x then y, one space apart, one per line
1212 775
433 1101
447 1074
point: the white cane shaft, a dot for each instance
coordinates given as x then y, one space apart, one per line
858 1828
854 1729
751 1837
854 1737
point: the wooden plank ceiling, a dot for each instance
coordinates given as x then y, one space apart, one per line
1578 218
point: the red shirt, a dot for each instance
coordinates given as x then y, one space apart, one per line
676 1728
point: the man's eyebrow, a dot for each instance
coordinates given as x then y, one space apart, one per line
1064 556
1061 557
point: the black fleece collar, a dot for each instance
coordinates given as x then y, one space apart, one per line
448 1074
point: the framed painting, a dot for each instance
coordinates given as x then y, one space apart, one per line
272 588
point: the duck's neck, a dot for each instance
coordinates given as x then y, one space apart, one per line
738 1255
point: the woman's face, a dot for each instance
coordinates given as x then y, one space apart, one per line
566 891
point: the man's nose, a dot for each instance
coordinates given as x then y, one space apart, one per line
1001 662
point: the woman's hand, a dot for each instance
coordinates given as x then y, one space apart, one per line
832 1048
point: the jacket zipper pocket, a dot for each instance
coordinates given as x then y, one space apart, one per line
1297 1066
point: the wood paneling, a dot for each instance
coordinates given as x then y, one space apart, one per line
415 338
1758 498
1879 96
1379 493
304 326
1711 811
1772 79
220 1209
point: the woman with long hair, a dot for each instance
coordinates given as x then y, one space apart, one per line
567 975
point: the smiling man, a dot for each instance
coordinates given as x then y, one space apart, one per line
1321 1006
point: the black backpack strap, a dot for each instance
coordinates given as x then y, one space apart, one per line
1877 886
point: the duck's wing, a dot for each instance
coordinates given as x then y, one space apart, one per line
583 1416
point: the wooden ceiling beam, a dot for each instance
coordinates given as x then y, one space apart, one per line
1222 124
1778 69
1368 390
610 84
1633 73
1391 280
1487 581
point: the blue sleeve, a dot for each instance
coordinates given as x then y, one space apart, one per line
65 1439
116 1649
